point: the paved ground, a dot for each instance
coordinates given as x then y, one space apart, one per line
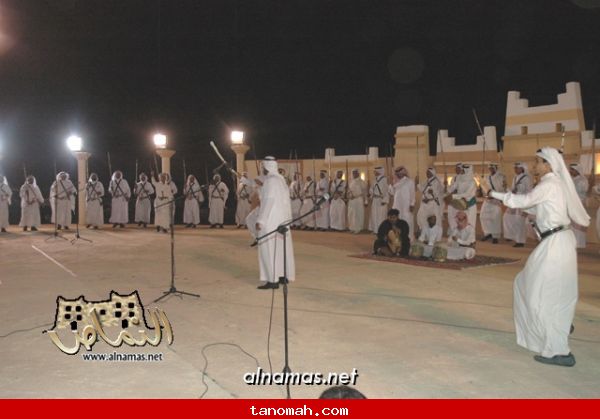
409 331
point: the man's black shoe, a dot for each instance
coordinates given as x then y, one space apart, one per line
560 360
495 241
572 330
486 238
519 245
268 286
33 229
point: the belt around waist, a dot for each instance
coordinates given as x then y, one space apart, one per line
552 231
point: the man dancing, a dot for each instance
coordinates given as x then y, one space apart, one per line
545 291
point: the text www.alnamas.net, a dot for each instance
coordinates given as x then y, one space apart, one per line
261 378
117 357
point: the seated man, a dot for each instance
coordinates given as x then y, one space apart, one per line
392 236
430 235
461 244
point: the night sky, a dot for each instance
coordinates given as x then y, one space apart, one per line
301 75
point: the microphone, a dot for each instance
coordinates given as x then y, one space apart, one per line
322 199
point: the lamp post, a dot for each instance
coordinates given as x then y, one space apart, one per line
74 143
160 141
240 149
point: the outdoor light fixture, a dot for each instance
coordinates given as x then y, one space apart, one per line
160 140
74 143
237 137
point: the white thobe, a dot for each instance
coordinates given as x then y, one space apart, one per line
5 196
243 204
94 214
432 191
357 199
275 209
62 201
322 215
581 186
143 205
31 198
119 208
459 244
337 206
217 196
379 203
308 202
597 192
296 201
403 192
491 209
545 291
191 208
515 220
162 204
431 235
466 188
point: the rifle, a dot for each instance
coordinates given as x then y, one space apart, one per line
110 173
443 160
482 136
347 181
184 172
593 173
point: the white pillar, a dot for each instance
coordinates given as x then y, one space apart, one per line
240 151
82 159
165 159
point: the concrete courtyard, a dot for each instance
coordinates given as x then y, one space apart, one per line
410 332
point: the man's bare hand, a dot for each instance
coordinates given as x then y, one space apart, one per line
257 226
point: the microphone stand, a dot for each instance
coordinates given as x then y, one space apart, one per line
283 229
55 235
173 290
77 235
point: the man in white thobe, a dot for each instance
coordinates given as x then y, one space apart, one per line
337 205
94 212
545 291
581 186
596 192
62 200
275 209
120 192
465 188
296 198
252 216
217 197
459 171
322 215
357 201
244 190
432 199
31 199
308 202
5 200
491 209
515 219
193 198
403 192
379 197
431 233
163 202
461 244
143 205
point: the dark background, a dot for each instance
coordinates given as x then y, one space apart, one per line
300 75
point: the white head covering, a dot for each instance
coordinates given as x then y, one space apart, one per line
4 180
522 166
432 170
34 180
245 181
577 168
468 169
379 170
575 208
217 177
114 175
270 165
190 178
62 173
90 180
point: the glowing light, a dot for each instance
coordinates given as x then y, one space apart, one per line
237 137
160 140
363 175
74 143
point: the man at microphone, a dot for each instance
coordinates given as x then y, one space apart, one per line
275 209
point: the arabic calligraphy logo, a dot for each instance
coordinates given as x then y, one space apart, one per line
87 320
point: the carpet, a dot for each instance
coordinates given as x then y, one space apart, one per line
477 262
